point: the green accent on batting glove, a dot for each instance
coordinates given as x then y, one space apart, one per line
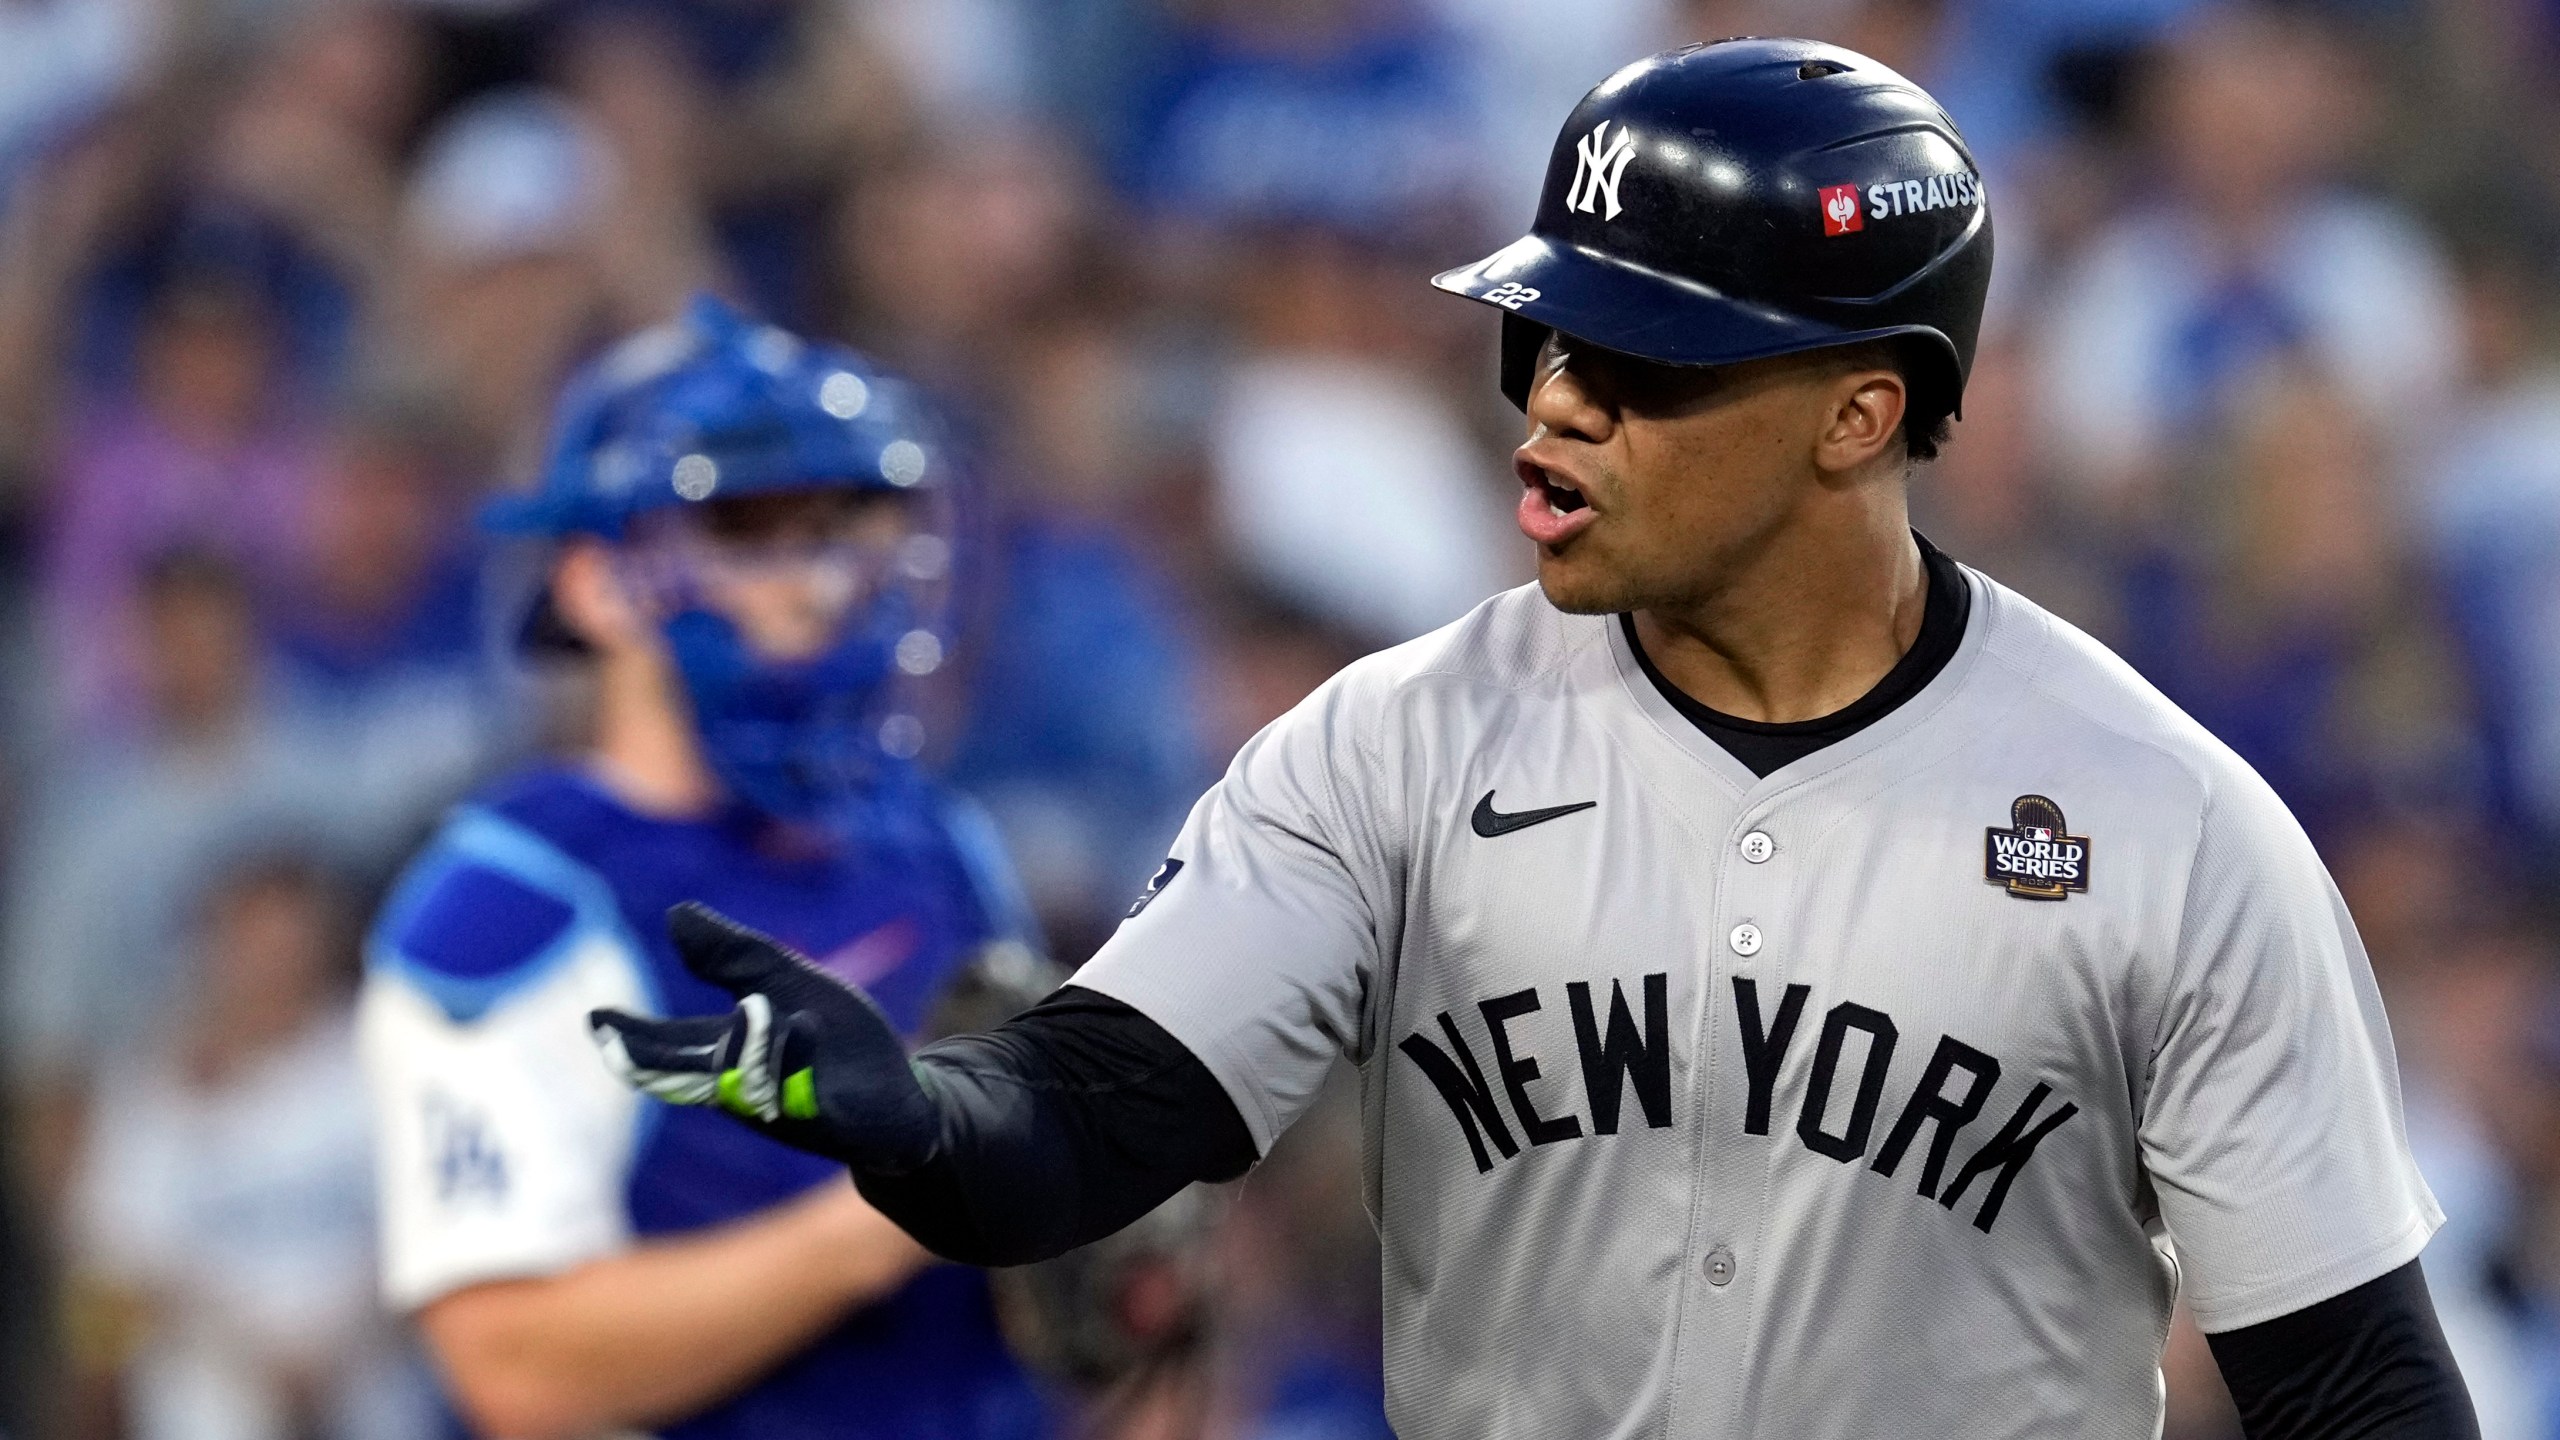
800 1095
732 1094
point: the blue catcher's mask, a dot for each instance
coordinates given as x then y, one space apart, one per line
656 440
802 736
786 738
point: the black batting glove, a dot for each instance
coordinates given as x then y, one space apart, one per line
804 1058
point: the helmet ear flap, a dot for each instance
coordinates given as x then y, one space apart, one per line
1521 341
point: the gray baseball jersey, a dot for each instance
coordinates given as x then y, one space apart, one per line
1896 1093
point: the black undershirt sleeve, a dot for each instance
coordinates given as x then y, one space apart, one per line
2370 1364
1059 1127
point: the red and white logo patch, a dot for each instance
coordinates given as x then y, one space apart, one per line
1840 210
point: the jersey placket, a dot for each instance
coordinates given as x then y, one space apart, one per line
1745 949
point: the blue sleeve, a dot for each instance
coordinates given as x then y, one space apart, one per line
487 908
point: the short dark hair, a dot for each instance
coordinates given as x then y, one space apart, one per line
1924 429
1929 401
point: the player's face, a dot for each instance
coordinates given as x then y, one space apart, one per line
788 568
1647 484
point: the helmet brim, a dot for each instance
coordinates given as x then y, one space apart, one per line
1639 311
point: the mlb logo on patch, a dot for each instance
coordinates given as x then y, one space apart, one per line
1840 210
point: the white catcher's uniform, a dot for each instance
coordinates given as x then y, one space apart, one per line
1867 1099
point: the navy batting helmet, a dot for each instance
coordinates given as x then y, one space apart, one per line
1749 198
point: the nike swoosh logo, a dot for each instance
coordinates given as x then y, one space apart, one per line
874 954
1489 822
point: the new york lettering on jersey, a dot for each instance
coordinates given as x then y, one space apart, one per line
1627 1059
1763 1077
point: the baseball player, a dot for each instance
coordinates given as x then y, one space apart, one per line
1799 987
751 545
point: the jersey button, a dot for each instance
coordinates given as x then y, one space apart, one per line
1745 939
1720 1267
1757 847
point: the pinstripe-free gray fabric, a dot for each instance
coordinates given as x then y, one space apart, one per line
1911 1155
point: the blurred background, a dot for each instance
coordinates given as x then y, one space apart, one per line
2268 401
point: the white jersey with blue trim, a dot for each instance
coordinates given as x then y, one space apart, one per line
503 1151
1898 1092
507 1150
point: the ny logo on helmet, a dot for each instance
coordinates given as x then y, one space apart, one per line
1600 159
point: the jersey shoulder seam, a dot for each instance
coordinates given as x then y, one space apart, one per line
1368 737
1370 721
477 836
1576 642
2181 955
2036 675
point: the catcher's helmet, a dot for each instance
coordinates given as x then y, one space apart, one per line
715 407
1749 198
712 406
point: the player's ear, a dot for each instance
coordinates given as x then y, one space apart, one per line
1864 421
590 597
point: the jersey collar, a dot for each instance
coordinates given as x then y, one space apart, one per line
1905 719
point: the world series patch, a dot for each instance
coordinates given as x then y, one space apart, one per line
2033 857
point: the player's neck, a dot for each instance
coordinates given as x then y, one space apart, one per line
1818 616
646 752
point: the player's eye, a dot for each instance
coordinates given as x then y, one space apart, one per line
1625 381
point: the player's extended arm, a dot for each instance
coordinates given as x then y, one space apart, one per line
1052 1130
2370 1364
658 1332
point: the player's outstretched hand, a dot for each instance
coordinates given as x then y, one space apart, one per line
804 1057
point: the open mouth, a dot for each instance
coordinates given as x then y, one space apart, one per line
1552 507
1552 487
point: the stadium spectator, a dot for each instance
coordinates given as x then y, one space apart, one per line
2247 252
379 646
384 582
1299 1272
498 288
113 848
1992 498
1343 477
2490 502
2460 970
314 139
222 1230
2291 618
1085 738
952 246
1521 63
61 62
2000 65
1303 111
204 451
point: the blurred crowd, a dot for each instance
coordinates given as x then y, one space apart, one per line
2269 401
